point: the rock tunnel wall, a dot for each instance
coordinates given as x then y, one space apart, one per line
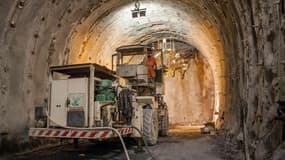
191 100
248 35
262 48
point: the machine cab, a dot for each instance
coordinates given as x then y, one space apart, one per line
131 63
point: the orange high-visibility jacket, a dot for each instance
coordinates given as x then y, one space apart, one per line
151 63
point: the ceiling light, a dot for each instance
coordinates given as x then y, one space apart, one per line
138 12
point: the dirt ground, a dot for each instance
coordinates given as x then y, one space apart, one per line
182 144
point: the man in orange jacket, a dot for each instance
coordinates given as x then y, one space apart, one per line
151 62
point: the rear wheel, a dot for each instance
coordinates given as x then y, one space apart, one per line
150 126
164 124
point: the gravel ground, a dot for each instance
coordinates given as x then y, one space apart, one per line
180 145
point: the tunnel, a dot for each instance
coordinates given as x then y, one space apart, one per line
234 81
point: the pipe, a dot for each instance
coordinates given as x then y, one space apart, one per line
96 128
107 104
133 90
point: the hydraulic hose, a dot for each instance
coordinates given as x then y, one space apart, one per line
145 142
143 137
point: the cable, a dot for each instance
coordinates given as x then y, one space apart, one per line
145 143
96 128
143 137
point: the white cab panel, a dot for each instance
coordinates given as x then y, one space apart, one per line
58 106
70 94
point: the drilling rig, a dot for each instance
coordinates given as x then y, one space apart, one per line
90 101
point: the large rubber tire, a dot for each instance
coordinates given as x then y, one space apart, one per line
164 128
150 126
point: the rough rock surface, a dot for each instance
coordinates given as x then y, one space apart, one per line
279 153
191 100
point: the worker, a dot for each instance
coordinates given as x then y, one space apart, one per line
151 62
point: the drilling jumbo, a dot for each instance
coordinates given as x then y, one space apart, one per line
89 101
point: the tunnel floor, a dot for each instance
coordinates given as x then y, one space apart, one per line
180 145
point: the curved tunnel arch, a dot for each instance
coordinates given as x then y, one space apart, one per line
116 27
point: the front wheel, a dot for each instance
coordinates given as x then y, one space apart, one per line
150 126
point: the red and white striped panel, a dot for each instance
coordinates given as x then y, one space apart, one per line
86 134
